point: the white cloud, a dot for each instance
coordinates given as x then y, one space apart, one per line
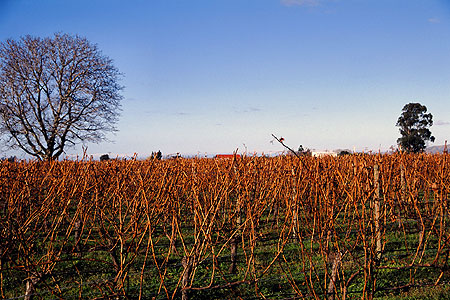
250 109
441 123
300 2
434 20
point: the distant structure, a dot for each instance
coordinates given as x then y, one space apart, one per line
227 156
174 156
10 159
157 155
323 153
104 157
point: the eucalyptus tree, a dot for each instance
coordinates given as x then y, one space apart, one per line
414 123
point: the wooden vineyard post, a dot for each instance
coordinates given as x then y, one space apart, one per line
294 210
376 212
187 266
1 274
30 286
233 254
337 259
334 257
275 213
234 241
402 194
402 183
375 256
77 236
295 222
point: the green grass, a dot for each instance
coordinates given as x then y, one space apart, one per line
95 272
441 292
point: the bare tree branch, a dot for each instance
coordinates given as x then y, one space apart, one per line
280 140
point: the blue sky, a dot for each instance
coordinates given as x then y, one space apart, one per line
214 76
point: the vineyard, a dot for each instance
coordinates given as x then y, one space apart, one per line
351 227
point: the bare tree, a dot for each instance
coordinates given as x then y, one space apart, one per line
56 92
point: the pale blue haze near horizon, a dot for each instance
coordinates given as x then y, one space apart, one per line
219 75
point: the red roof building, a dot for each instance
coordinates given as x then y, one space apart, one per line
227 156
